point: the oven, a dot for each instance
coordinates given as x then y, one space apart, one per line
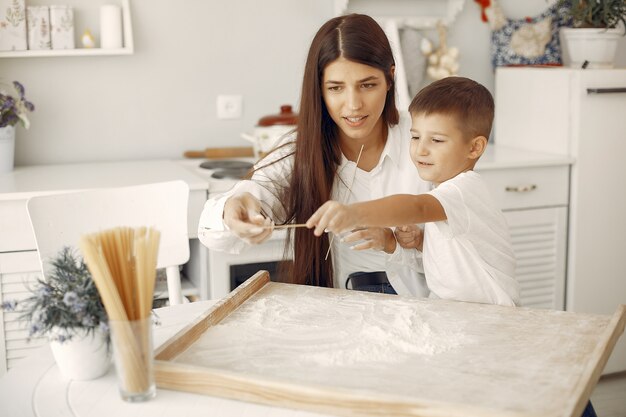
226 271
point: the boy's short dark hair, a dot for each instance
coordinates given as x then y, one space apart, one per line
468 101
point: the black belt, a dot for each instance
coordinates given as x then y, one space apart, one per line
360 279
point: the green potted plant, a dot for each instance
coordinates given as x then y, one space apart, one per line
67 309
592 40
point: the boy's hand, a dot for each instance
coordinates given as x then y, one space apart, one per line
334 217
242 216
410 236
376 238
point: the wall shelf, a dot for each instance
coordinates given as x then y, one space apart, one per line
420 17
128 48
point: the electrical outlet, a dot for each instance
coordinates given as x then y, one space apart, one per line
229 107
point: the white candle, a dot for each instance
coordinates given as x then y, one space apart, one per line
110 26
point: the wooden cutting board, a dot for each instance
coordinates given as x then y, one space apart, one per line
221 153
356 353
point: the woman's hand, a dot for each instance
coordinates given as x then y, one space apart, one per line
410 236
242 215
333 217
376 238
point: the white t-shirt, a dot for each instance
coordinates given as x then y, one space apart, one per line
394 174
469 256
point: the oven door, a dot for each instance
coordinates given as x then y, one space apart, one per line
226 271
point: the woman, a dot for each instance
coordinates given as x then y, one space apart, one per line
347 114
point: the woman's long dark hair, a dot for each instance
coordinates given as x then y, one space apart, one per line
360 39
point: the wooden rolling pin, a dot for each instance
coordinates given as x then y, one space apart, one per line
217 153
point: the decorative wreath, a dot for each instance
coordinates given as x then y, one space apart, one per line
528 41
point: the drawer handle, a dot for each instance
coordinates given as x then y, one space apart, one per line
606 90
521 188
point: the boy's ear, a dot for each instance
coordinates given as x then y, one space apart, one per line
477 147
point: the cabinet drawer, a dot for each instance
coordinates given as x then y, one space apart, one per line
519 188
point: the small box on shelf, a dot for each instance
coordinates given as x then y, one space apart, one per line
38 22
12 25
62 27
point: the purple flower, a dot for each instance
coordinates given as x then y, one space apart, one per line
14 107
34 329
88 321
78 307
70 298
44 291
104 327
20 89
8 103
62 338
8 305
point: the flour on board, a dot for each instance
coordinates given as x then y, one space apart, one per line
327 330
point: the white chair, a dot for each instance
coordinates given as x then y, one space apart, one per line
59 220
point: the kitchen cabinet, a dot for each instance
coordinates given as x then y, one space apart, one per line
532 191
19 262
581 114
128 49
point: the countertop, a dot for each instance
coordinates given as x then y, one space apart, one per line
27 181
503 157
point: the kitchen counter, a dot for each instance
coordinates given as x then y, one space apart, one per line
503 157
23 182
28 181
495 157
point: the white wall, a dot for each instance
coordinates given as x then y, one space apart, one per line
160 101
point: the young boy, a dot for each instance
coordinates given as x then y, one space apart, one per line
467 253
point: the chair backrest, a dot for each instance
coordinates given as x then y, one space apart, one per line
60 220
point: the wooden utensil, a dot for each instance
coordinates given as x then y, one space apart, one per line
220 153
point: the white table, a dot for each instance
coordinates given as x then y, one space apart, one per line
35 388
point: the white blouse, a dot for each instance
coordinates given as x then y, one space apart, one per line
394 174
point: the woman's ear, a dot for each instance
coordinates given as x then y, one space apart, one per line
477 147
392 73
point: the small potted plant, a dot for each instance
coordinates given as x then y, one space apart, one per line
67 309
13 109
592 40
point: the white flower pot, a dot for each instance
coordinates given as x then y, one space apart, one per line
7 148
597 46
82 358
